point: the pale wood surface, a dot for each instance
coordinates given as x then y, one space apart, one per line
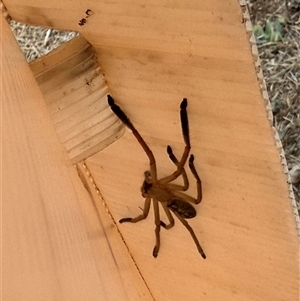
152 56
75 90
55 246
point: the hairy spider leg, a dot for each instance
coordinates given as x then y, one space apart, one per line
185 185
157 228
173 187
186 137
183 188
124 118
141 216
169 216
198 181
186 224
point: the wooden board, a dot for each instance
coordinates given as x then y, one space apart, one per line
55 244
152 57
75 90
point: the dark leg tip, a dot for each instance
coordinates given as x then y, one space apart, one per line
125 220
201 252
183 104
110 100
155 252
169 150
191 160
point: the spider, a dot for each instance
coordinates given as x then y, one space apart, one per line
162 191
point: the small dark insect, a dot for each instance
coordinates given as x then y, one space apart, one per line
82 22
170 196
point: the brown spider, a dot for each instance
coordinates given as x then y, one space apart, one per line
170 196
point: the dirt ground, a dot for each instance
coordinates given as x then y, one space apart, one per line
276 26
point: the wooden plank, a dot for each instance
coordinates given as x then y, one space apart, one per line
244 222
54 245
75 90
153 55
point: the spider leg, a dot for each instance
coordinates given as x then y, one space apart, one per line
195 174
186 137
141 216
186 224
169 216
124 118
185 185
157 228
186 197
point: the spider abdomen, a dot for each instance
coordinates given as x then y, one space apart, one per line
183 208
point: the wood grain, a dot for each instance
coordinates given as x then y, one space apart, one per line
153 55
75 91
55 247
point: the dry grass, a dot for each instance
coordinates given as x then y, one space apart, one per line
279 54
280 61
37 41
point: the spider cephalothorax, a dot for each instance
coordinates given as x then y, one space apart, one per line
162 191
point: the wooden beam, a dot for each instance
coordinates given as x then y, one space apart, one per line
54 245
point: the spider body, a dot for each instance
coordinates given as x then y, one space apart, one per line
164 195
170 196
183 208
156 190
